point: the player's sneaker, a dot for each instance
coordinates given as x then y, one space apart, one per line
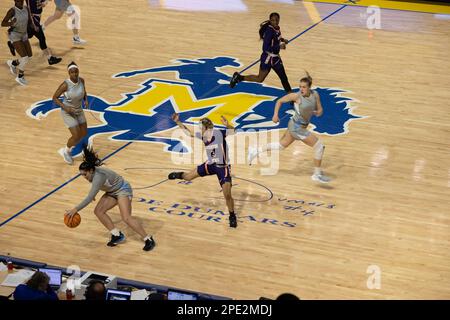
21 80
233 220
115 240
235 79
320 178
67 158
78 41
175 175
149 244
54 60
12 68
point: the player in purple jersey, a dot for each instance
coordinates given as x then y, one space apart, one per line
270 33
217 163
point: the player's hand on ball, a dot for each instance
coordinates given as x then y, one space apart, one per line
70 213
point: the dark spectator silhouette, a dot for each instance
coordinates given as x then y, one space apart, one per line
96 290
287 296
37 288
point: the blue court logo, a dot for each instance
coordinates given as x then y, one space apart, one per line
200 89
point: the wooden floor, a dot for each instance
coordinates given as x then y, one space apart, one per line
388 203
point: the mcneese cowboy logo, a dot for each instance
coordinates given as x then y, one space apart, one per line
200 90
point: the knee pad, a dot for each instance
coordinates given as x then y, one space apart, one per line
318 150
22 62
70 9
74 15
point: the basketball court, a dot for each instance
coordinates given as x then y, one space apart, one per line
379 230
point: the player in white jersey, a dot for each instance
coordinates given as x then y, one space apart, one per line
306 104
74 95
117 192
17 19
64 6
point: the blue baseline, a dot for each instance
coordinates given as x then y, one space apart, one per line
128 143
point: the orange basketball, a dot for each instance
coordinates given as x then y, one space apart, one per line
72 222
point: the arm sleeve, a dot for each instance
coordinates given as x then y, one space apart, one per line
97 182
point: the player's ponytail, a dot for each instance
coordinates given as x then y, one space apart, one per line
308 79
90 159
262 28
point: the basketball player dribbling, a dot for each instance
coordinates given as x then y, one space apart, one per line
117 192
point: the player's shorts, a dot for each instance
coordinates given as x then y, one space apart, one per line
124 191
62 5
270 61
223 173
73 121
14 36
297 130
